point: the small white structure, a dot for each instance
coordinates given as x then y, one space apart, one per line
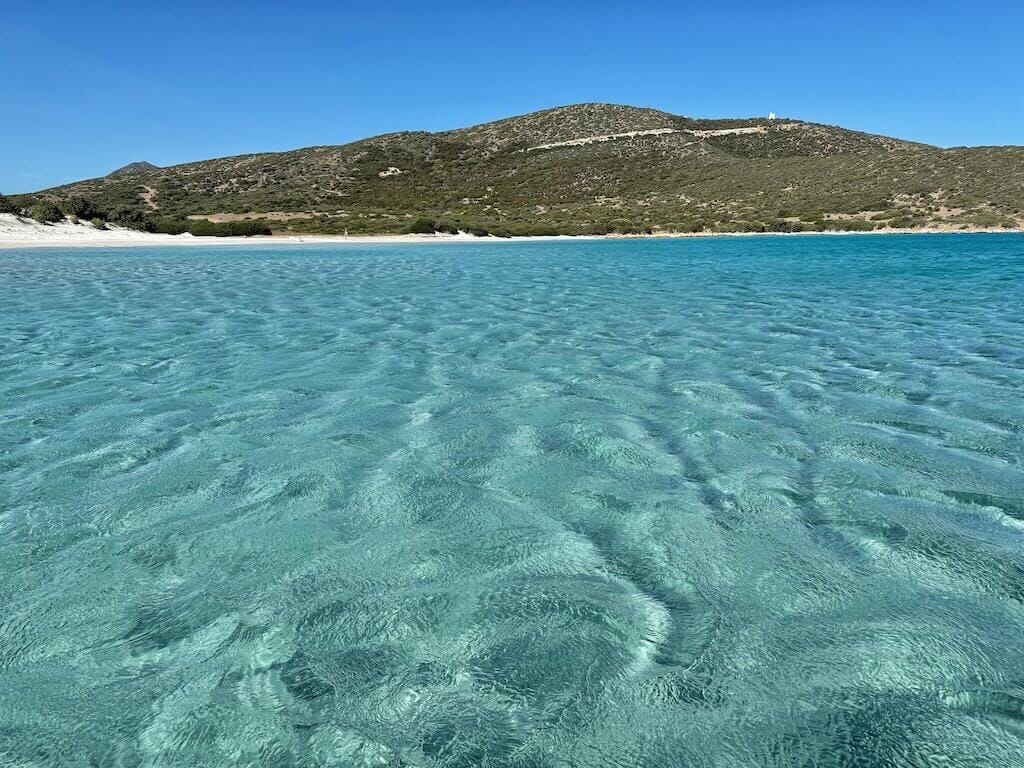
771 115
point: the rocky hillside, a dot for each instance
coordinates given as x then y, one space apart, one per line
585 168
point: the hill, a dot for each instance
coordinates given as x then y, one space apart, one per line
133 169
583 168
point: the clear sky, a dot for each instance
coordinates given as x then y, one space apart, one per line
87 88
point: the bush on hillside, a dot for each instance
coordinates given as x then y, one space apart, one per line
425 226
168 226
421 226
80 207
848 225
7 205
127 216
203 228
46 211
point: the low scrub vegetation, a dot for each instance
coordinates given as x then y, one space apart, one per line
79 207
46 212
481 180
227 229
421 226
7 205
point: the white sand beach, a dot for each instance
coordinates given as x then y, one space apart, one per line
18 232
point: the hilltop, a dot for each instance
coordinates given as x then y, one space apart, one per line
581 168
133 169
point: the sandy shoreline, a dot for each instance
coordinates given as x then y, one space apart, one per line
24 233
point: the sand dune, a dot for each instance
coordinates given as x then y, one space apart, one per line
16 232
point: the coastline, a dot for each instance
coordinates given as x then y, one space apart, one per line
21 234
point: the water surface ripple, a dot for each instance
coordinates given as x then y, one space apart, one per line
741 502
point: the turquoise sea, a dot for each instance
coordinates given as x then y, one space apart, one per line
708 502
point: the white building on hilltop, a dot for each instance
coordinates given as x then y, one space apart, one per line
771 115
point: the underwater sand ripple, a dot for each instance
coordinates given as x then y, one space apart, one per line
740 502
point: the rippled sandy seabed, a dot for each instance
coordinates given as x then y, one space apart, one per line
742 502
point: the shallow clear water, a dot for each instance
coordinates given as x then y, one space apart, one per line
727 502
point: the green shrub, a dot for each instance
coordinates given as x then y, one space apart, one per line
169 226
46 211
99 223
79 207
127 216
421 226
204 228
7 205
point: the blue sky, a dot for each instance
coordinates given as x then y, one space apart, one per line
86 89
